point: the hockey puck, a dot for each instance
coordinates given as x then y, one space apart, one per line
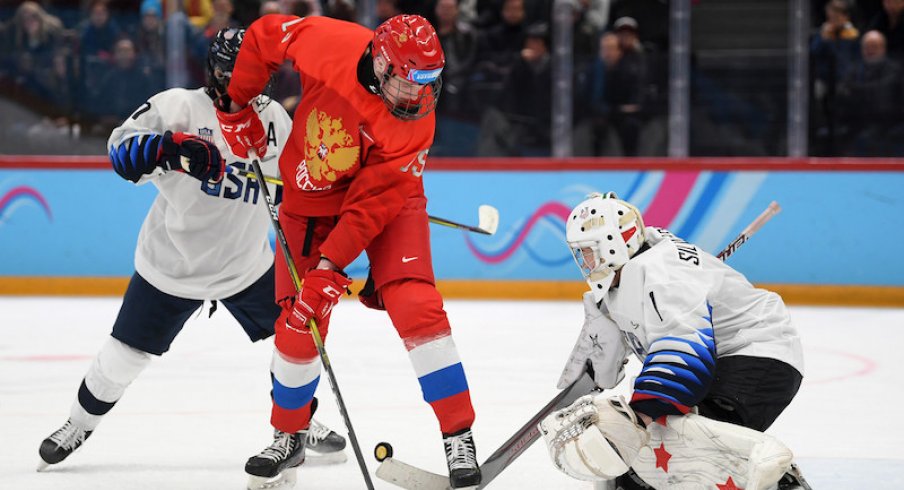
382 451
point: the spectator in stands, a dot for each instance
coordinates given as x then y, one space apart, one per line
198 12
123 88
592 133
149 38
870 98
459 42
835 49
499 47
220 19
521 124
456 121
590 17
625 86
29 42
97 35
99 32
890 22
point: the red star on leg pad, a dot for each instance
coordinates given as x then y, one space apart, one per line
728 485
662 458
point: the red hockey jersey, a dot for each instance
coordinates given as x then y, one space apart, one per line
346 154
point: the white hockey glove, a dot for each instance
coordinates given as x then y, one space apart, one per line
693 452
595 438
601 345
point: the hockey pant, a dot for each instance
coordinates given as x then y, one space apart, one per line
407 292
415 308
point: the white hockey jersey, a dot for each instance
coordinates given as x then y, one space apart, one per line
674 290
202 240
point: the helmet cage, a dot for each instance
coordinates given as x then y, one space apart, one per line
407 99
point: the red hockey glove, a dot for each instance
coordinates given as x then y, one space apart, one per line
188 153
319 294
243 131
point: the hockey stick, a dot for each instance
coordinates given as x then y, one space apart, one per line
414 478
315 332
487 216
748 232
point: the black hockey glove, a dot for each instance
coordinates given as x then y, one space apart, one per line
188 153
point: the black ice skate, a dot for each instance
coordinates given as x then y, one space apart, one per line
323 446
59 445
275 466
462 459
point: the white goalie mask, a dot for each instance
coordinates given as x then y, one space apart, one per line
603 233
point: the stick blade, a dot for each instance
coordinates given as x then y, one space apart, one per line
488 218
410 477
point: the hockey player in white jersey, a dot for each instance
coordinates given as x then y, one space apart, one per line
721 361
183 256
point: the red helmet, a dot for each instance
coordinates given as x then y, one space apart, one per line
412 52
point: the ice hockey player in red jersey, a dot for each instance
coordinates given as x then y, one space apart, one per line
352 168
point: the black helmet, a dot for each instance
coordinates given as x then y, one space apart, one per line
220 60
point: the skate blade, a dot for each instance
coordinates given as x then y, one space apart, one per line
324 459
42 465
286 479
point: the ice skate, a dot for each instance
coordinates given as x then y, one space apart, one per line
323 446
275 466
59 445
461 457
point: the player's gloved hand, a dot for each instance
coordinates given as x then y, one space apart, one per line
190 154
319 293
243 131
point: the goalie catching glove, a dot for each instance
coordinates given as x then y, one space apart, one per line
598 438
595 438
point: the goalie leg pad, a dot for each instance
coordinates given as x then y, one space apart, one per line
692 451
595 438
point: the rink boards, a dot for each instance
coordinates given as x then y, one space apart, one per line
69 226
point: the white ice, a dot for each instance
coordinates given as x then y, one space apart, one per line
196 414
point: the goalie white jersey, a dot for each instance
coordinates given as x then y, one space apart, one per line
676 304
202 240
674 297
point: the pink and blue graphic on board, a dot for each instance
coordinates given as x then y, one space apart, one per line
19 196
700 206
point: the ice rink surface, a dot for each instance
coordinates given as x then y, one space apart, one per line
196 414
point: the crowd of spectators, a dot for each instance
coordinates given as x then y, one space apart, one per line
88 64
83 65
857 78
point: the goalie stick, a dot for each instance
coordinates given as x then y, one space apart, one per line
315 332
487 216
413 478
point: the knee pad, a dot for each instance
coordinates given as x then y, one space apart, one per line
416 310
114 368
